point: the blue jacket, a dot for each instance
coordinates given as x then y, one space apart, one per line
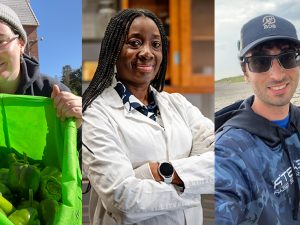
257 168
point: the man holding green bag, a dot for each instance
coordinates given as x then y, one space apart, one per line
19 73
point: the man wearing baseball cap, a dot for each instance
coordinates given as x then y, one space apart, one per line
19 73
258 140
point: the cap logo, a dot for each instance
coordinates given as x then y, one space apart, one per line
269 22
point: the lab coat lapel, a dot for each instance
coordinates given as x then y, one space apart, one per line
167 118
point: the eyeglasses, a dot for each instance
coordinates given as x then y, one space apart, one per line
261 64
4 42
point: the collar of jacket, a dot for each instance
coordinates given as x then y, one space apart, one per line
29 72
244 117
111 97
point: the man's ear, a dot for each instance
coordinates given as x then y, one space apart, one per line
246 77
243 66
22 46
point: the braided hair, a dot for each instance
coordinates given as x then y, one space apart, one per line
112 44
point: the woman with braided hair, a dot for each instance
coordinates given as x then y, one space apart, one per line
148 154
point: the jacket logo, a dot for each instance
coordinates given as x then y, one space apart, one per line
269 22
285 179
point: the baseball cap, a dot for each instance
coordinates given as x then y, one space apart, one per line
264 28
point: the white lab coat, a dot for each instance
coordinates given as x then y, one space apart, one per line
117 146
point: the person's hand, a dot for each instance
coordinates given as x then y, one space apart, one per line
67 105
154 170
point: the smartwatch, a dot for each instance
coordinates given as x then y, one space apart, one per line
166 171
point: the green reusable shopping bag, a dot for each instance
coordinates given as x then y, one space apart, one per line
29 124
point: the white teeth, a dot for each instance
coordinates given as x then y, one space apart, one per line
278 87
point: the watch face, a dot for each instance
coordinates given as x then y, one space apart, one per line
166 169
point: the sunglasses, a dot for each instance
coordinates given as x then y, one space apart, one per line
261 64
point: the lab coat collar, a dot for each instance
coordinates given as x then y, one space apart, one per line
111 98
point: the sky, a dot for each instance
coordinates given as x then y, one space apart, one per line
60 28
231 15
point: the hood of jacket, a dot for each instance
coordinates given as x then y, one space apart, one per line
240 115
30 73
32 82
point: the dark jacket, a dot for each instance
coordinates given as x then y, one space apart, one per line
33 82
257 168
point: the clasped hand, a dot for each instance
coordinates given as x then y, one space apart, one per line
67 105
